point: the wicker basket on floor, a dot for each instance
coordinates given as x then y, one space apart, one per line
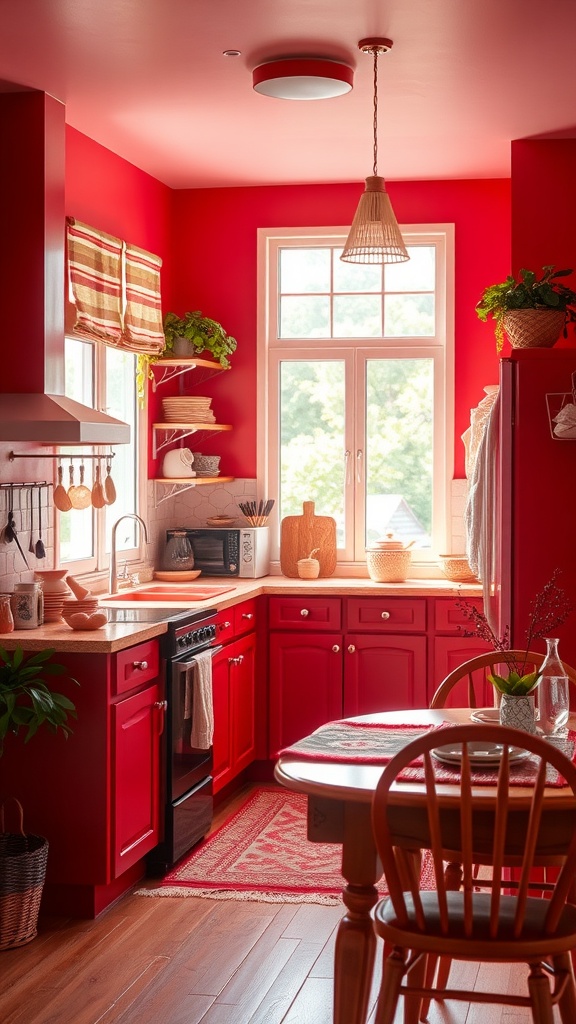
22 872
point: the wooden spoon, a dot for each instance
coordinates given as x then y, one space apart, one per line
60 496
98 499
109 488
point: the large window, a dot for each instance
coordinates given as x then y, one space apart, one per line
103 378
356 371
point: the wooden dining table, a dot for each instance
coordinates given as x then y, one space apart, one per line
339 812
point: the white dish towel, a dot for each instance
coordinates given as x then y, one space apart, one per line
198 701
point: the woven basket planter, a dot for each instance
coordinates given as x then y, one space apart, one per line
533 328
22 872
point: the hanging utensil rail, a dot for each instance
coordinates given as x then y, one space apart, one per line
62 457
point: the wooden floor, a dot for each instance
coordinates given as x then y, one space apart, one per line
198 961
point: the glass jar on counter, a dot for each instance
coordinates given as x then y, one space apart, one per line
6 617
178 554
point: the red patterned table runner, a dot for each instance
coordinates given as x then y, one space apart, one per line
376 743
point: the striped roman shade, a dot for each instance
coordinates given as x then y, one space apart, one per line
115 288
143 311
95 275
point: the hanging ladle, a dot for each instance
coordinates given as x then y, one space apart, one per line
60 497
98 499
30 504
109 488
40 550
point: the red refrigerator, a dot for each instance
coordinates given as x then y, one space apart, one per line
535 517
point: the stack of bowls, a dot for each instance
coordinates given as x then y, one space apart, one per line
55 591
72 606
206 465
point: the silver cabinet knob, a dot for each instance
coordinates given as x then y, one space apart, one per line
142 665
162 705
336 649
247 615
351 648
236 661
224 625
385 615
304 612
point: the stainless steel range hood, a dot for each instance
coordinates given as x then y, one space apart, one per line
33 406
55 419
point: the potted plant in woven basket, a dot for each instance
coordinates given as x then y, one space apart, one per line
28 703
533 311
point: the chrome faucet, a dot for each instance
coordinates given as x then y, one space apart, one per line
113 585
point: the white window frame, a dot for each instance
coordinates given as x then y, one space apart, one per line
95 567
272 351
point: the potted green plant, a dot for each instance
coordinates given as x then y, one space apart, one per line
26 699
532 310
27 702
187 336
202 335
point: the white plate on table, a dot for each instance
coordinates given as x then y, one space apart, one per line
487 716
481 754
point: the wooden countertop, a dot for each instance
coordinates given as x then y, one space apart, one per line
116 636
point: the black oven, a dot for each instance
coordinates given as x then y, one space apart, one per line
186 770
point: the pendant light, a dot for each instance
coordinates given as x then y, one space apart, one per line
375 236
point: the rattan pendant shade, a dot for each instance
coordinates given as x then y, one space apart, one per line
374 236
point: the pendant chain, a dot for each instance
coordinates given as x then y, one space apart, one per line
375 52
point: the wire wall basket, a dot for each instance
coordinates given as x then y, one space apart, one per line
561 407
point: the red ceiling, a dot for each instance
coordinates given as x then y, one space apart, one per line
147 79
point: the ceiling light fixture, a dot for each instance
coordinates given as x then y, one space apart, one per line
302 78
375 236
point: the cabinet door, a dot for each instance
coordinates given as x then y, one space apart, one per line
221 700
305 685
137 723
242 661
383 673
449 653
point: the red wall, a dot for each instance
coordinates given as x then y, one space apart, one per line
214 251
543 211
207 239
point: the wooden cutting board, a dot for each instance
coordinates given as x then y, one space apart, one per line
300 534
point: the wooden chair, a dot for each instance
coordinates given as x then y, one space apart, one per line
461 922
475 672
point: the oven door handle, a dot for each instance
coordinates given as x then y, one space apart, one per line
184 665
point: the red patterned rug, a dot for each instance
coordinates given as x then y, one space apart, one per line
261 853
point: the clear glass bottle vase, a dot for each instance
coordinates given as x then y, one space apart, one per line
553 693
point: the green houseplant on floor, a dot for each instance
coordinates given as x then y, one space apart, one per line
28 703
543 306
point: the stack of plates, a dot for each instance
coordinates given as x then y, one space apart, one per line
71 606
53 604
187 409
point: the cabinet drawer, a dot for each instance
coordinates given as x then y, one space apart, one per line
387 614
244 617
448 617
225 625
136 665
304 613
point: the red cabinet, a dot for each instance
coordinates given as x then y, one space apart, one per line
383 673
95 795
137 723
335 657
452 648
305 673
234 694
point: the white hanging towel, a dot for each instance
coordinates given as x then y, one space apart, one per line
480 511
198 701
